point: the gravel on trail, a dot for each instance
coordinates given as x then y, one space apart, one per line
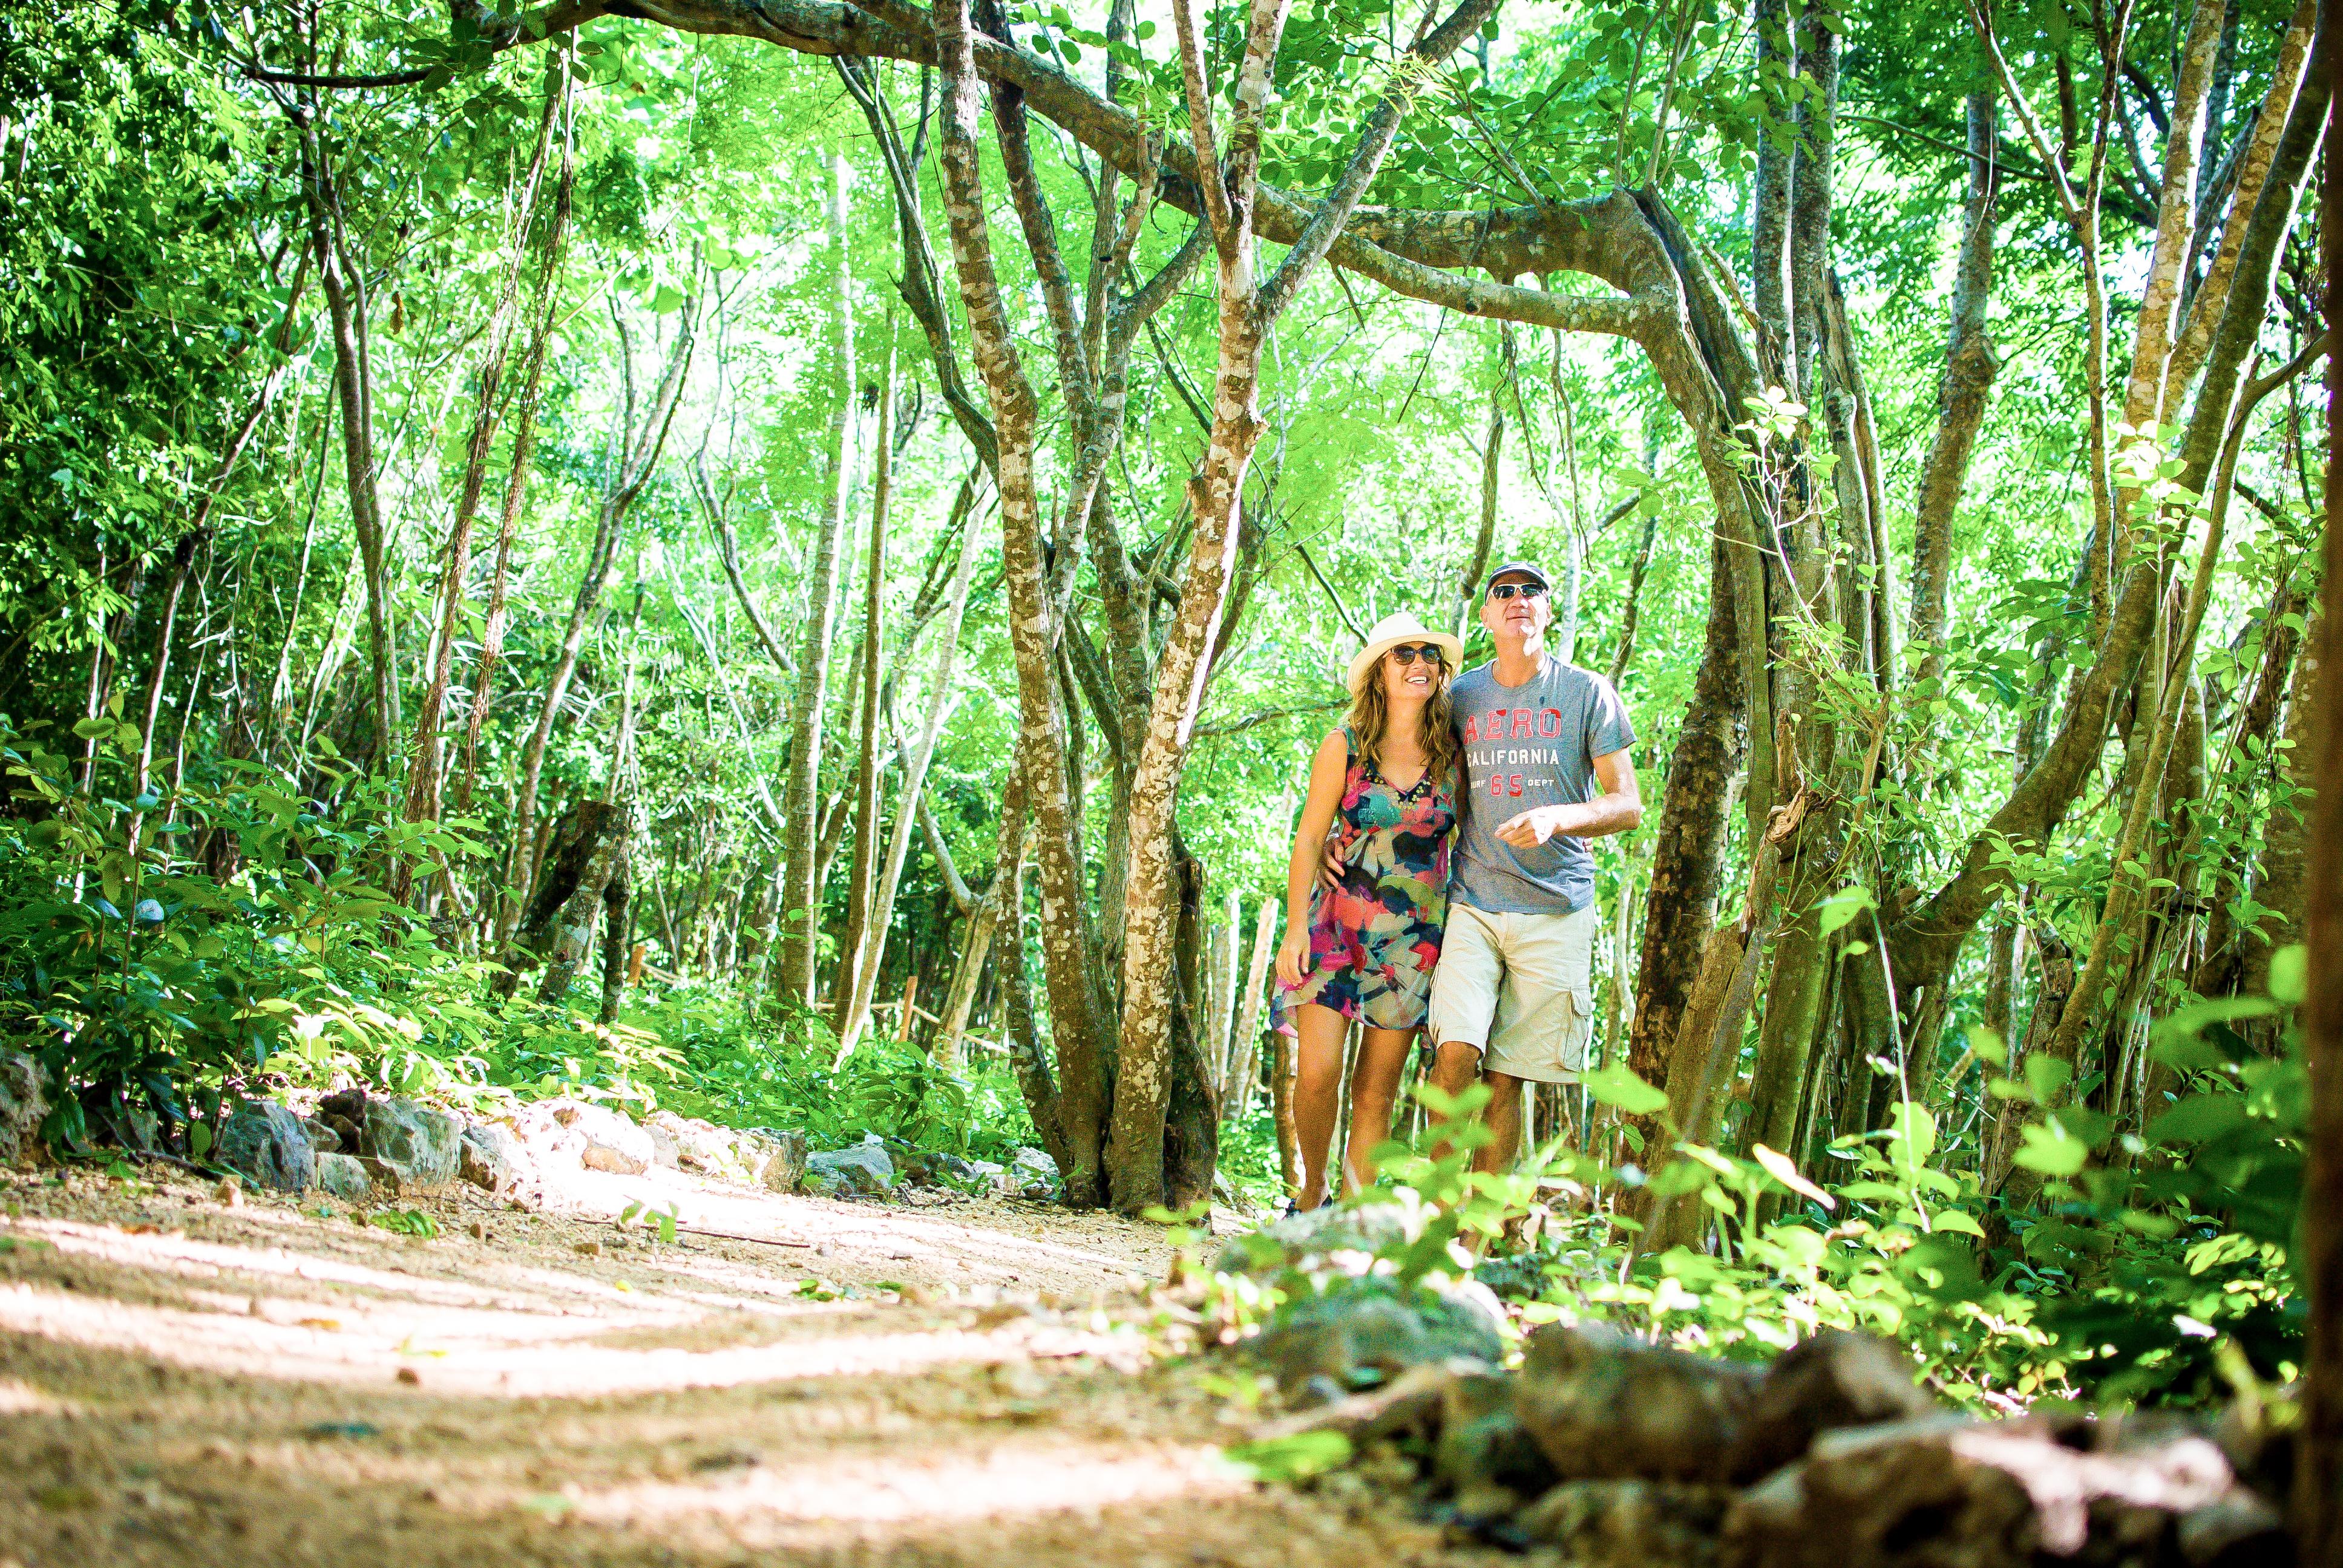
191 1376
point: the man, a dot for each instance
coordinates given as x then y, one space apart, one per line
1547 768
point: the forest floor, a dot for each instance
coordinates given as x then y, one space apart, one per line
185 1380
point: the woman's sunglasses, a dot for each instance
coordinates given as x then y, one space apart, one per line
1504 591
1408 653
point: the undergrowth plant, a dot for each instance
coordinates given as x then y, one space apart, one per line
2151 1270
167 954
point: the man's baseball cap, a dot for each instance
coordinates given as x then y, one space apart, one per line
1517 568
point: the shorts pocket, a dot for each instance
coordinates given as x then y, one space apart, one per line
1578 1034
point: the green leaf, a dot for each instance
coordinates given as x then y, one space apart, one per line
2053 1150
1844 906
2198 1118
1911 1135
1618 1085
1294 1458
1958 1219
1779 1166
2047 1076
199 1139
2289 973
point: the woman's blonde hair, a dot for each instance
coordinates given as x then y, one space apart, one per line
1371 719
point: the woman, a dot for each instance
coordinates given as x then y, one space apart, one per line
1363 949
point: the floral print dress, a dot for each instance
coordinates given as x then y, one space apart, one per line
1376 936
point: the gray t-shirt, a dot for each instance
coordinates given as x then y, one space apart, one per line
1526 746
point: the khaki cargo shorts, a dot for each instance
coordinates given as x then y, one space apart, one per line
1518 988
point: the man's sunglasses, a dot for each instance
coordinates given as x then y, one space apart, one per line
1408 652
1504 591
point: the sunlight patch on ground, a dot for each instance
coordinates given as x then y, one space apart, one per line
506 1353
758 1508
176 1255
983 1253
23 1399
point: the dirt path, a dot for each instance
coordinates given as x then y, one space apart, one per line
183 1381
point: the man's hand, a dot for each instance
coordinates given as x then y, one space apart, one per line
1534 827
1331 867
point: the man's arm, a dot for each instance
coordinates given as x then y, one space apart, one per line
1618 810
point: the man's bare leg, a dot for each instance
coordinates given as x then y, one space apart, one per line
1455 1067
1503 1115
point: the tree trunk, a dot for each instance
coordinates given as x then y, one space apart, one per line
618 936
426 760
984 927
1971 364
1222 1031
1191 1124
2159 310
2318 1475
557 927
1247 309
1238 1100
2286 881
346 310
864 869
1688 851
915 777
544 307
2056 961
636 448
1770 224
1080 1091
1043 1099
1493 448
2249 754
800 801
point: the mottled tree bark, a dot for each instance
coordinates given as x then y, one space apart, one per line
1971 364
2205 307
1688 851
1082 1086
2184 154
1769 265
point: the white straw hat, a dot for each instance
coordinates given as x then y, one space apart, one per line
1389 633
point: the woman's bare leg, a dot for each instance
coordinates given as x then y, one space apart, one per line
1318 1034
1374 1090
